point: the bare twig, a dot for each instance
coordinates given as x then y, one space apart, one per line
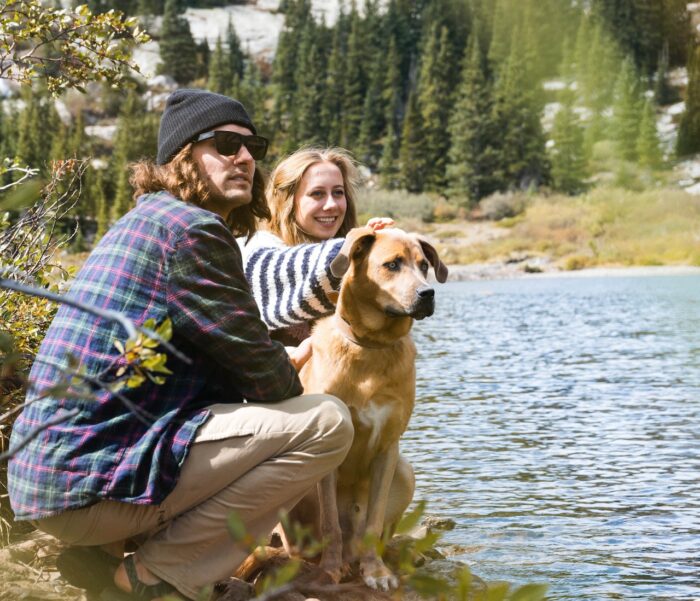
27 171
107 314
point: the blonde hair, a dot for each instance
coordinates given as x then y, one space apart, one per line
182 178
284 183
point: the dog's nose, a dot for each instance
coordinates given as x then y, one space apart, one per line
425 292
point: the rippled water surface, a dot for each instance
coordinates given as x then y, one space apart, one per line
558 423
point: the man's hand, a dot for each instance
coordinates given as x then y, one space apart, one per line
298 355
379 223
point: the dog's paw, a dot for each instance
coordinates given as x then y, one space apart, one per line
332 565
377 576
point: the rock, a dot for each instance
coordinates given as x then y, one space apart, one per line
438 523
162 83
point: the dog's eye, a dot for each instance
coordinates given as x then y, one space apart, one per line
392 265
424 266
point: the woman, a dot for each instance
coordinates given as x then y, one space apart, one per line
312 200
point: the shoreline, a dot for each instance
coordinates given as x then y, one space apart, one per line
504 271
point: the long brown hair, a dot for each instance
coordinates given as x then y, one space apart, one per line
181 177
284 183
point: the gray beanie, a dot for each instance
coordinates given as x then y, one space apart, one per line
189 112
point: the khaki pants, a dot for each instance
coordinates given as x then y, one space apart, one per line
252 459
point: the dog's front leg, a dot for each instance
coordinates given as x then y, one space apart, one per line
375 574
332 555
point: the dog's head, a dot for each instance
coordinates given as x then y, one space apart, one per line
390 268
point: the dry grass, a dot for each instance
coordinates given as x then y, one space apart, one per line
608 226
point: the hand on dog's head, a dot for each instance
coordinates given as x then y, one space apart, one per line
360 239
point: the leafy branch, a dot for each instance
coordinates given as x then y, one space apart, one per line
63 47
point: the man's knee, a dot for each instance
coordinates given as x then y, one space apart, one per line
335 424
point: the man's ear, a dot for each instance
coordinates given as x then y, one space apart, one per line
431 254
357 241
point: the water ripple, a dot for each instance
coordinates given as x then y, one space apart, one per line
557 421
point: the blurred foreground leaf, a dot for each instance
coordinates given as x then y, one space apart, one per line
22 196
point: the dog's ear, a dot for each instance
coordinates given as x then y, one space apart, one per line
357 241
433 258
333 296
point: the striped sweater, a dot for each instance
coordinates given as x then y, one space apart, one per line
290 284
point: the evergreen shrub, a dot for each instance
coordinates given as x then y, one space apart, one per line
502 205
395 204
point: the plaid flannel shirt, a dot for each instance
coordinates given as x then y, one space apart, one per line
165 258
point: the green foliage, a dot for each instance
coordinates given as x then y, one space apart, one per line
568 152
65 48
220 74
472 171
516 112
648 149
689 129
627 111
136 138
395 204
434 102
177 47
412 160
642 26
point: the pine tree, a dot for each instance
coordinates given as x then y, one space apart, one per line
637 25
523 158
150 7
77 145
648 149
472 171
220 73
663 92
373 122
59 147
502 26
297 17
434 102
331 103
627 111
354 85
177 47
568 156
412 158
253 94
393 105
28 142
236 58
389 175
100 201
202 57
307 108
677 31
597 129
135 139
9 136
689 129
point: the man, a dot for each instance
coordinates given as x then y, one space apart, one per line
173 471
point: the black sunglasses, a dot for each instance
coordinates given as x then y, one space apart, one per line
229 143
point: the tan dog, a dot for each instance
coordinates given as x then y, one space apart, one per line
364 355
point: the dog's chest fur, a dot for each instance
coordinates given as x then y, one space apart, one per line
377 384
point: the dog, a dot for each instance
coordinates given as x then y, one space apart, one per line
364 355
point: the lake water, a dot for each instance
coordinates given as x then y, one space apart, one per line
558 423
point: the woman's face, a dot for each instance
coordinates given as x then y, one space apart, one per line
319 202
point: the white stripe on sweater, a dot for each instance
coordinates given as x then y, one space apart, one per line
293 303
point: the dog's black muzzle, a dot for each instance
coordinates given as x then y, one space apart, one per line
424 305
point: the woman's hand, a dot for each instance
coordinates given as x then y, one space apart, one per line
379 223
299 355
